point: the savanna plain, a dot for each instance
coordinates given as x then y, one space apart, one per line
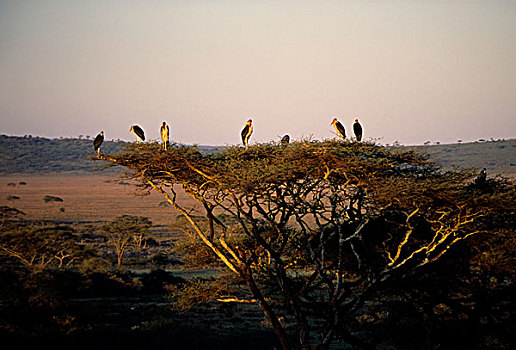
130 306
102 297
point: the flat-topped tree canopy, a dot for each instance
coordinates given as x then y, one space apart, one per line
385 173
325 224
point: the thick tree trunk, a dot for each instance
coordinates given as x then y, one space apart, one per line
267 310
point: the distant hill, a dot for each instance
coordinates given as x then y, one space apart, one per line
41 155
32 154
499 157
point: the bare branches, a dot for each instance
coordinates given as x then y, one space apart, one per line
409 231
326 222
201 234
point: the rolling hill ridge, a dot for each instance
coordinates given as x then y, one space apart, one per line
31 154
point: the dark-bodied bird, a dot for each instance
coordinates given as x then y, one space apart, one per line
339 128
140 135
97 142
246 132
482 177
164 131
285 140
357 129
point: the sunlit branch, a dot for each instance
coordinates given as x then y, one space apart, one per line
196 228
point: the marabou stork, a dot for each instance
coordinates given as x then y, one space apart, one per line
246 132
357 129
165 132
140 135
339 128
97 142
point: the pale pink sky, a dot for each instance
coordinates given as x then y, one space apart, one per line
410 71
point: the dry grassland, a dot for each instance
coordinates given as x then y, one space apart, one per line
86 198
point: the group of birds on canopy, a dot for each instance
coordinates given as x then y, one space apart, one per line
140 136
246 133
341 131
357 129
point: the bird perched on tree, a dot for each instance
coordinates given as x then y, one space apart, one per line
164 131
339 128
246 132
140 135
481 178
357 129
285 140
97 142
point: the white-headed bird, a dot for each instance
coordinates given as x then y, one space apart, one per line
339 128
357 129
165 133
140 135
246 132
97 142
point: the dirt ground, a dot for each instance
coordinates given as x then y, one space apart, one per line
86 198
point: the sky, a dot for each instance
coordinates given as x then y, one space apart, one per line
411 71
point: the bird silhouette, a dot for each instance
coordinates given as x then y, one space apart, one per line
246 132
357 130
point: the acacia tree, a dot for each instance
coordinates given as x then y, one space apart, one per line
124 231
322 226
39 247
9 213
